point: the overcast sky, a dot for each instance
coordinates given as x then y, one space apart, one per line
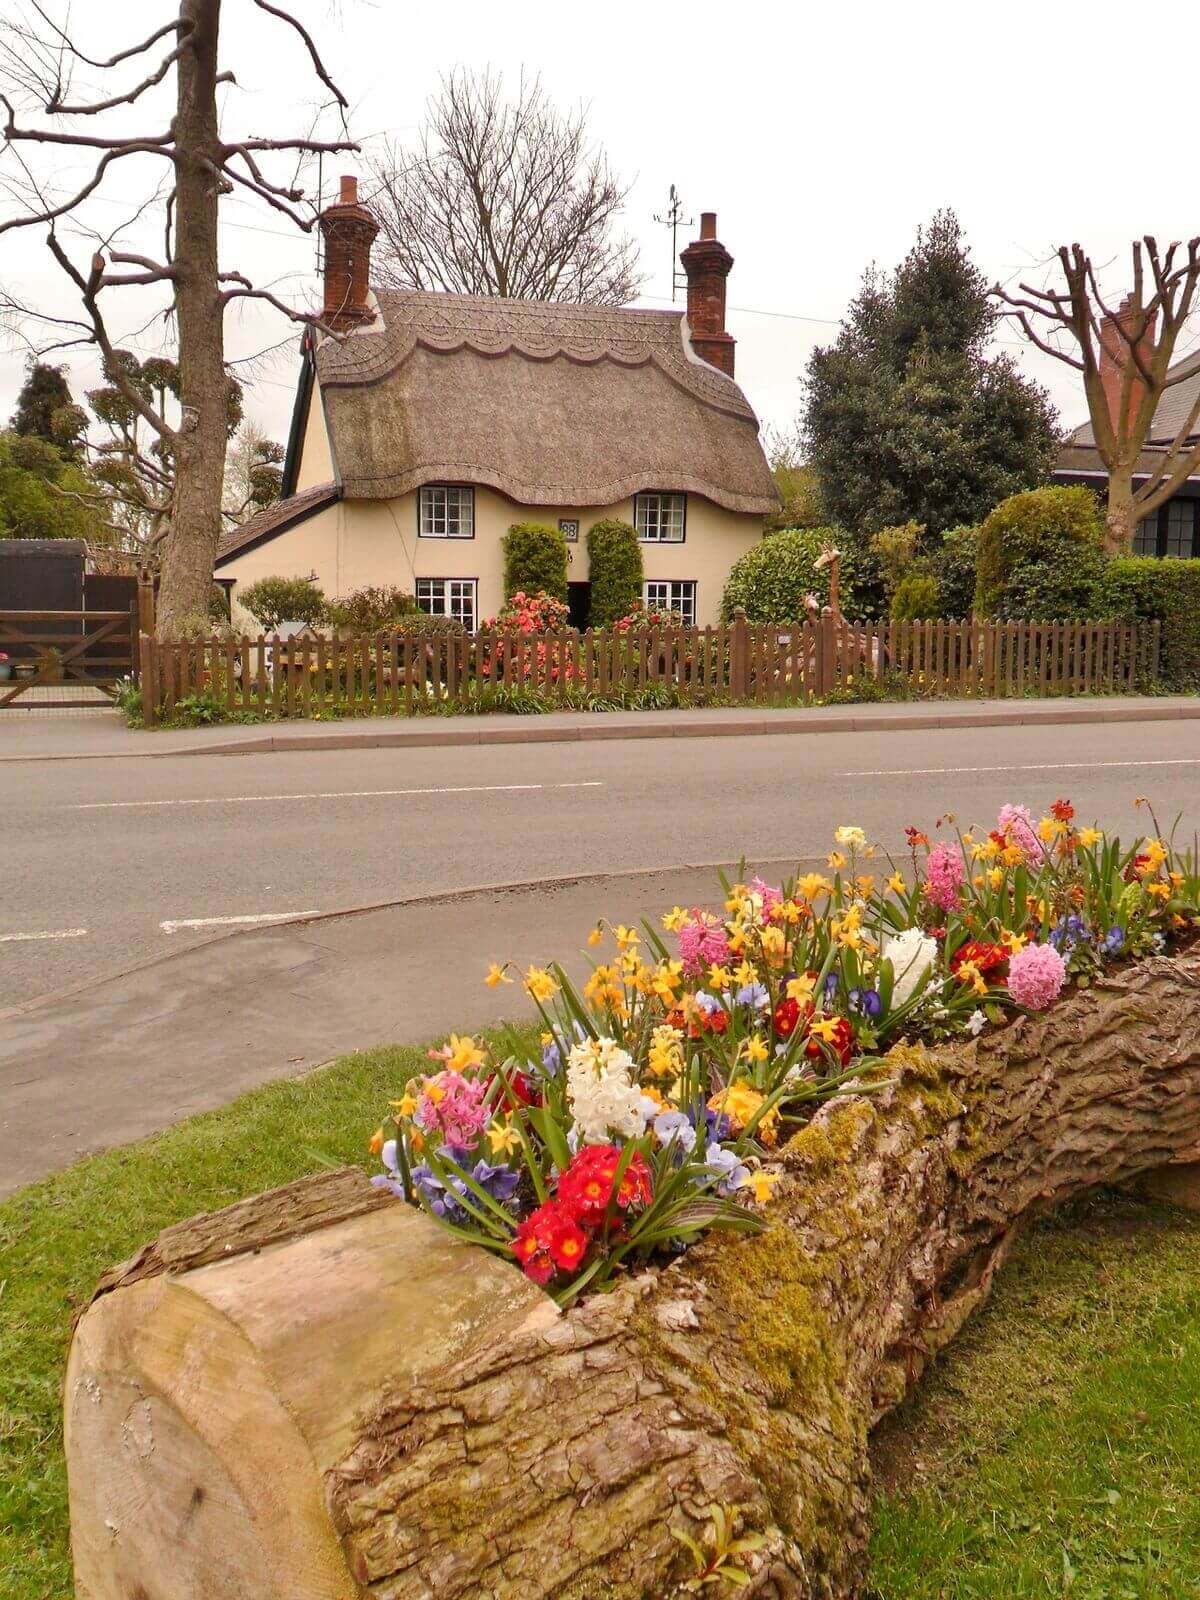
821 136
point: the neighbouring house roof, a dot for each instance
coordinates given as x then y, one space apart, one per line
550 404
1079 453
276 518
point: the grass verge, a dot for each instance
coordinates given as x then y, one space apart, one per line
1055 1451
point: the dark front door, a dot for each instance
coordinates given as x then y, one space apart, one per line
579 604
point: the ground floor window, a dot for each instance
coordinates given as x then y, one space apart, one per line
449 597
663 594
1172 530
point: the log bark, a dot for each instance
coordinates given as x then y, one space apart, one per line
539 1455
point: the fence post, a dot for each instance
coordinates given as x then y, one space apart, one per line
148 680
145 601
739 656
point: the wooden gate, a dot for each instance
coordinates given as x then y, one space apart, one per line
68 649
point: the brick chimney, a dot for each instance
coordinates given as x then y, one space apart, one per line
1115 352
707 262
348 229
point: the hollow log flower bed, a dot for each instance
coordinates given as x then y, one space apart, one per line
668 1081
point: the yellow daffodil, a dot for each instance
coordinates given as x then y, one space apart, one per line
496 974
1012 855
1158 890
979 880
1013 942
406 1105
665 1056
595 936
774 945
824 1028
540 985
1051 828
836 860
813 884
626 937
968 838
897 884
1089 836
865 883
668 975
376 1142
740 1103
756 1049
968 972
675 919
788 911
463 1053
745 973
503 1138
719 977
995 877
761 1184
801 987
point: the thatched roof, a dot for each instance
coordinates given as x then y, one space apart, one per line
276 518
550 404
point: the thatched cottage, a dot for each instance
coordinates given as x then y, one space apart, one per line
435 421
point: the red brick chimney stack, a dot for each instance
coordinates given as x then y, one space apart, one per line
349 230
1115 352
707 262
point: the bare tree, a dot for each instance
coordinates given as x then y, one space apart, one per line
201 166
505 197
1125 357
253 471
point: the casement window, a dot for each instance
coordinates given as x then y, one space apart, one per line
1169 531
446 511
660 518
663 594
449 597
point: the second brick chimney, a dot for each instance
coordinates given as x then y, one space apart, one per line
349 230
1115 354
707 262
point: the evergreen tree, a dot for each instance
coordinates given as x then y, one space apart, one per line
907 417
46 410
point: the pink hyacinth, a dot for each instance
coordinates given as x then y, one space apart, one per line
1017 823
770 897
702 943
458 1114
1036 975
944 874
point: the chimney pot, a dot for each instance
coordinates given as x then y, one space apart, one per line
348 229
707 262
349 191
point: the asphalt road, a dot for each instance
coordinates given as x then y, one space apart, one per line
107 863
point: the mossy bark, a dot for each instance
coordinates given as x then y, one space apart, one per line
557 1460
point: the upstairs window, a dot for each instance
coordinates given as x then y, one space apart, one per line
446 511
660 518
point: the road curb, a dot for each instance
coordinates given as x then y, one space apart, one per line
365 908
525 730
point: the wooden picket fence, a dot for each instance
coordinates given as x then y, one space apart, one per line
335 675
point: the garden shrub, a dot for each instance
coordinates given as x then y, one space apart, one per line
372 609
531 613
535 558
1040 555
276 600
1168 589
771 580
916 598
954 568
897 552
614 569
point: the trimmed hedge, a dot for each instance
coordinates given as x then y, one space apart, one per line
535 558
615 571
916 598
771 580
275 600
1040 556
1166 588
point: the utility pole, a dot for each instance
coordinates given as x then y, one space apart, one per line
675 219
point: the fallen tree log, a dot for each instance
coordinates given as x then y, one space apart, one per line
367 1409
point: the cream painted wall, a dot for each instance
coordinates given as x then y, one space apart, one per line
362 542
316 457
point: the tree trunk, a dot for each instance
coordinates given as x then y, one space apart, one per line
536 1455
1118 514
190 548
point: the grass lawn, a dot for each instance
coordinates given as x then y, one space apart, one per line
1056 1451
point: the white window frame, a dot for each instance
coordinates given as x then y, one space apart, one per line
450 597
443 507
672 594
660 517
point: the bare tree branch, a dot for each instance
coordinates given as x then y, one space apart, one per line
313 54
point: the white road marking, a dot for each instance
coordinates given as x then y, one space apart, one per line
24 938
1042 766
329 794
229 922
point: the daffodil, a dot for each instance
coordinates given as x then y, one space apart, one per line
812 884
595 936
1089 837
406 1105
756 1049
626 937
463 1053
897 884
761 1184
719 977
745 973
540 985
496 974
503 1138
836 860
675 919
825 1028
801 987
995 877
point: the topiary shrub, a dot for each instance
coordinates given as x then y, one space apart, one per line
954 568
1169 589
1040 555
773 577
535 558
276 600
615 570
916 598
373 608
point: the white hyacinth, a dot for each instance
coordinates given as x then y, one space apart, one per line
604 1099
912 954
